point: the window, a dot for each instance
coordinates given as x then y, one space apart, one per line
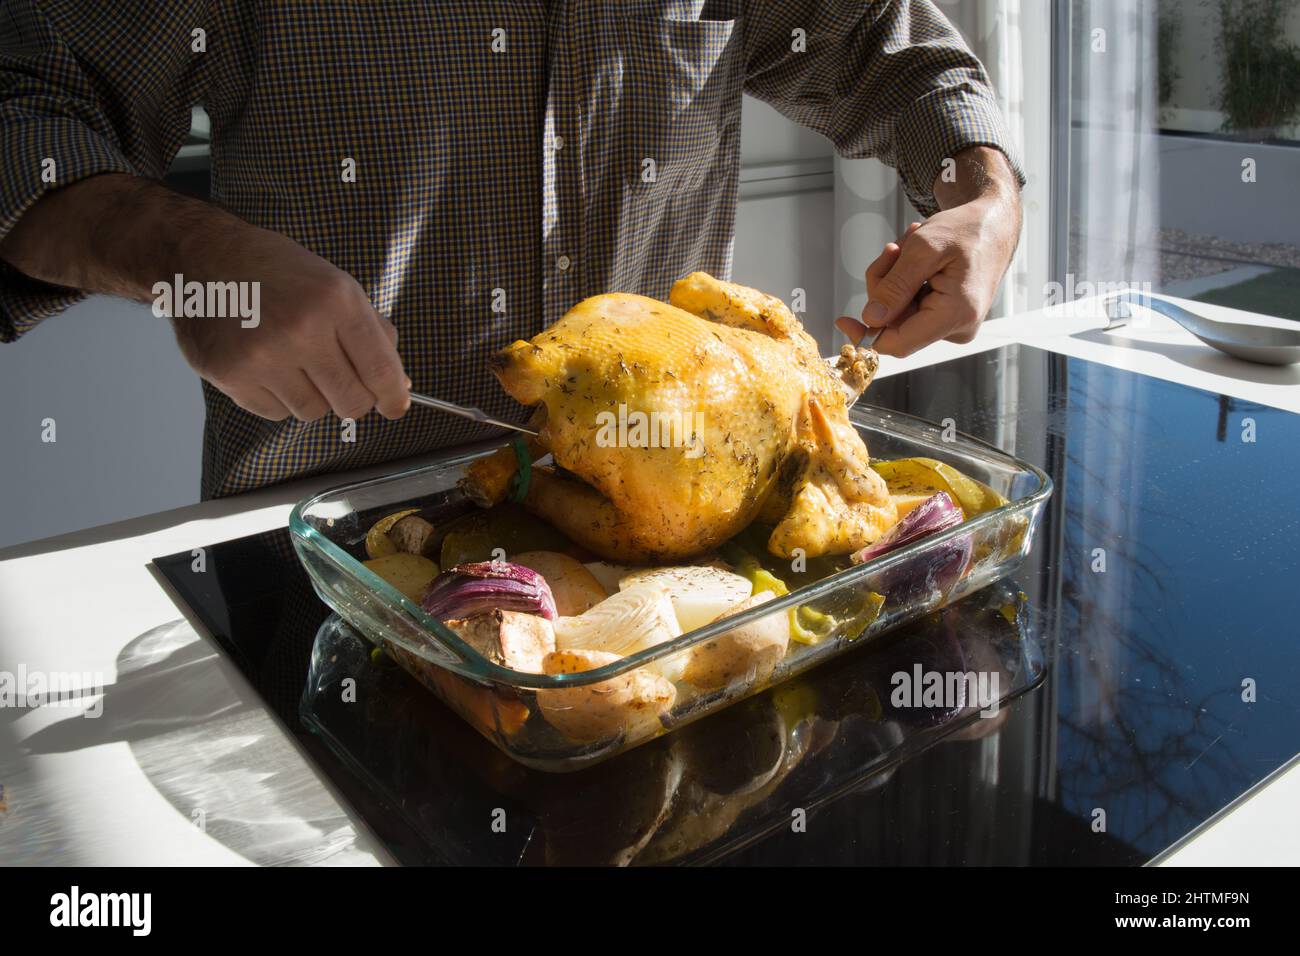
1182 161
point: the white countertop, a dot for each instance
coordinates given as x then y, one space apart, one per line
183 739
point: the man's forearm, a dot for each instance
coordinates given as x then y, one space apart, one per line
978 172
119 235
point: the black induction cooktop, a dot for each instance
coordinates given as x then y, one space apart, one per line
1147 648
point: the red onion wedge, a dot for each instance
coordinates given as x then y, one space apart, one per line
941 569
469 589
936 513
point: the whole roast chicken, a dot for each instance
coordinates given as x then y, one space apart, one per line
675 425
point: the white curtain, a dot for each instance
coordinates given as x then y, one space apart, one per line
1115 172
1011 39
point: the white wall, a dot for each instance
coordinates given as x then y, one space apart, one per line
1202 192
767 137
785 224
128 419
129 415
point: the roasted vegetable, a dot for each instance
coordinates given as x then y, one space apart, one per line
1008 541
628 704
574 587
913 480
940 569
632 620
469 589
508 638
378 543
700 594
748 653
414 535
610 574
409 573
857 611
506 529
936 513
484 708
807 626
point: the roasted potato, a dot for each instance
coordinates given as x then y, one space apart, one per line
506 529
409 573
630 703
572 585
748 653
509 638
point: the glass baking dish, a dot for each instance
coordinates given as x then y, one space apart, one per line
508 707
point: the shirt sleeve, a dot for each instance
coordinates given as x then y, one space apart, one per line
86 87
890 79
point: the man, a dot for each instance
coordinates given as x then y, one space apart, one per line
410 186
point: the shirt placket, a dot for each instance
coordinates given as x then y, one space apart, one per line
561 202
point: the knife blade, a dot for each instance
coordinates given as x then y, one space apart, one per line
473 414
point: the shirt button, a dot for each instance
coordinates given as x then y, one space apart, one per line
557 142
563 263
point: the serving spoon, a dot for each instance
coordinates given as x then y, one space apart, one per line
1262 344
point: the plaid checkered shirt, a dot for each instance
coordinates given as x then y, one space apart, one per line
511 156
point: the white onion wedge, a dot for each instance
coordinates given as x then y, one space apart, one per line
699 593
624 623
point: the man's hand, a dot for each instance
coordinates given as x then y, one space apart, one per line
939 280
318 343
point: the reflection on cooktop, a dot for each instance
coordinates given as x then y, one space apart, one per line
692 795
1174 556
1160 583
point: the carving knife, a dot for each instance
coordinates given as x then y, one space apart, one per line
473 414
